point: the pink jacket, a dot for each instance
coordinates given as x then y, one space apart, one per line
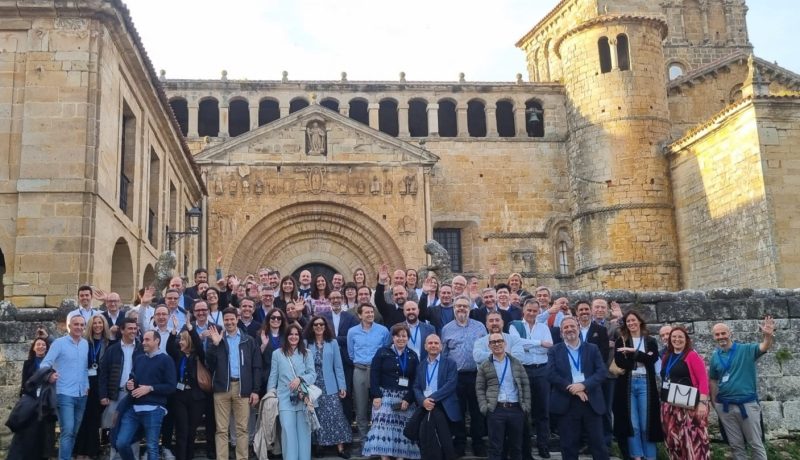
697 371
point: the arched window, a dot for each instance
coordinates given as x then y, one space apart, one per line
208 118
359 111
330 103
563 252
605 54
387 117
181 110
675 71
297 104
238 117
623 52
735 93
505 119
476 118
418 117
268 111
534 118
448 127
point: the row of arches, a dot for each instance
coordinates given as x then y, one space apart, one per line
241 114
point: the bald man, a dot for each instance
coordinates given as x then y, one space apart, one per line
733 384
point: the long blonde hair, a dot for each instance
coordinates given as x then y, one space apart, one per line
87 332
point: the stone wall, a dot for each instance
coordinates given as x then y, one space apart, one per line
741 309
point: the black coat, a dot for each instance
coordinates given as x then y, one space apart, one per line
35 439
431 430
622 389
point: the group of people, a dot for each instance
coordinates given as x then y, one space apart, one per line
413 371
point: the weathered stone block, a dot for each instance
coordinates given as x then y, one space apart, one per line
791 414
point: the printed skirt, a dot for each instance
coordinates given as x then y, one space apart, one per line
385 436
685 434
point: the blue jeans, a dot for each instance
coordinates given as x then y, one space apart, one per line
638 444
70 414
130 422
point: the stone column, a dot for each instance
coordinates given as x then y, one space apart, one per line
373 115
612 44
344 110
433 119
520 120
193 114
253 118
491 121
704 9
402 120
284 110
223 121
461 121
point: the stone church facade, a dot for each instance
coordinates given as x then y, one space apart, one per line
648 149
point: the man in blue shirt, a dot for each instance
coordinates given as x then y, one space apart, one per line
69 356
733 385
459 337
363 341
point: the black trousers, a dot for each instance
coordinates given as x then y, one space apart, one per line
468 402
347 402
581 419
540 405
210 424
186 413
505 426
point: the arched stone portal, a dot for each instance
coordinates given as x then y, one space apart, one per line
149 276
122 271
333 234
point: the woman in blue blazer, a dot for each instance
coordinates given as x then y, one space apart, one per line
292 365
322 346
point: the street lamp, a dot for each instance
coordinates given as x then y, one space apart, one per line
193 218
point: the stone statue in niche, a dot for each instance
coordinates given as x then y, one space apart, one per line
218 188
361 187
316 138
245 187
259 187
234 187
387 186
406 225
375 187
409 185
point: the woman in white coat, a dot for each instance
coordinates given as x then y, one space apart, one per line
291 366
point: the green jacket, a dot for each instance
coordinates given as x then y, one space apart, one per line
487 385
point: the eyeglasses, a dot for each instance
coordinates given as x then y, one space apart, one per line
496 342
319 324
275 318
200 310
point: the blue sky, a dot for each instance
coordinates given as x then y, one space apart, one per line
375 40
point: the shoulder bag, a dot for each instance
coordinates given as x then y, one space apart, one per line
203 377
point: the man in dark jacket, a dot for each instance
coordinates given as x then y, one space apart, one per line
234 358
115 369
151 381
577 371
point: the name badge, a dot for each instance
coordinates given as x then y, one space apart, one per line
180 386
427 393
402 381
725 378
665 385
92 372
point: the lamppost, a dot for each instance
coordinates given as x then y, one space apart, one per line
193 218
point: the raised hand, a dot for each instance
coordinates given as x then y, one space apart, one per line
768 326
99 294
149 295
616 310
383 274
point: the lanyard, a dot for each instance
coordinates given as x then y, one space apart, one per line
216 320
429 375
671 362
402 360
575 362
726 364
96 346
182 368
415 336
641 342
503 376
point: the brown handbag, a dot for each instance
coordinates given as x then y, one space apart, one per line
616 370
203 377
